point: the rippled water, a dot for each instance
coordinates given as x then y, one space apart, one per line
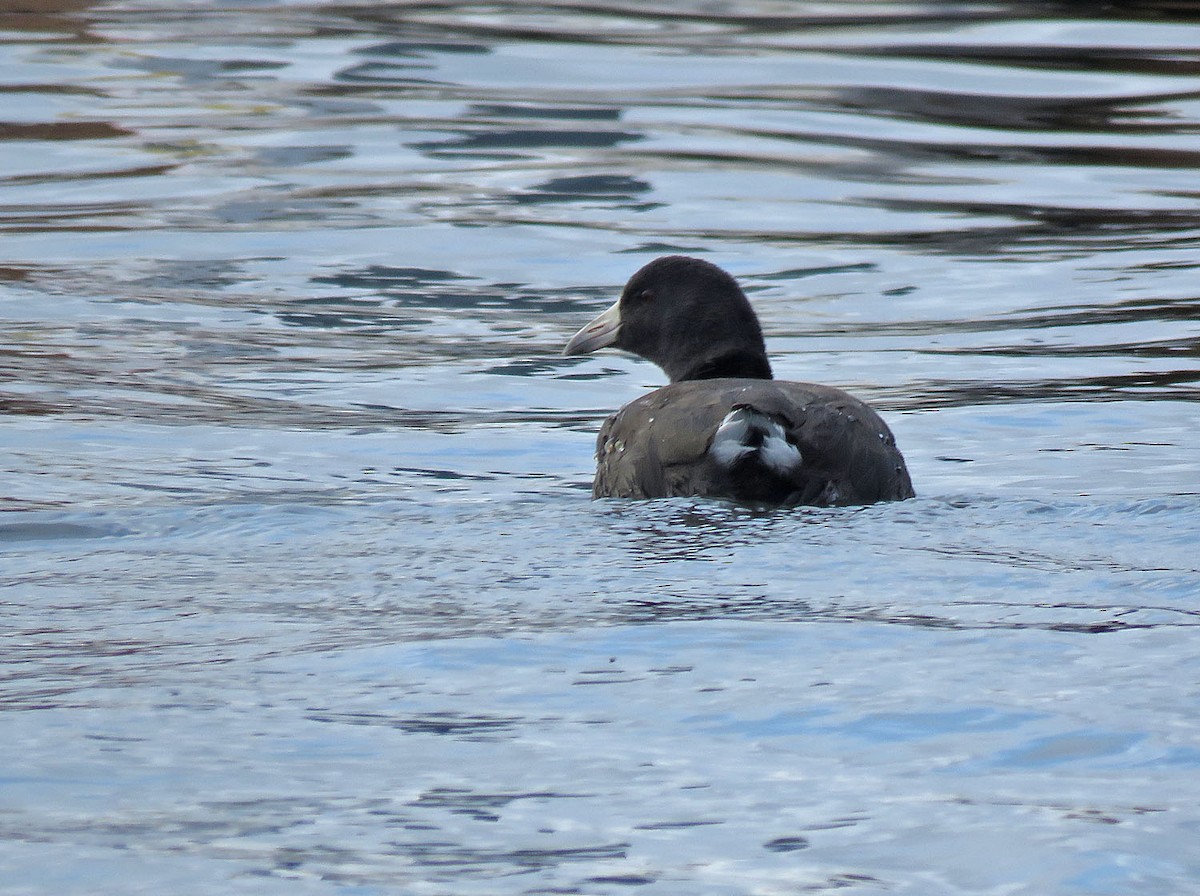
302 588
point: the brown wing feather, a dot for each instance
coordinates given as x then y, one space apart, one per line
656 446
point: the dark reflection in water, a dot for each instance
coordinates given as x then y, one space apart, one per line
1177 385
1050 230
1001 112
605 187
1178 60
483 144
475 728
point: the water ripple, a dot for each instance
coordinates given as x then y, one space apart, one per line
301 584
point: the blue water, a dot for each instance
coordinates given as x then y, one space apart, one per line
303 590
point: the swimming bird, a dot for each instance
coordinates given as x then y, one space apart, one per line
724 427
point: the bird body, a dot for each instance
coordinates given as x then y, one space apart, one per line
723 427
818 446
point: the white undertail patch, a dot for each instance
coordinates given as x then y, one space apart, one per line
778 453
745 432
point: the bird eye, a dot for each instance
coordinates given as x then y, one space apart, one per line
646 295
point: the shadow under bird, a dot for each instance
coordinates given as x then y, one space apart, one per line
723 427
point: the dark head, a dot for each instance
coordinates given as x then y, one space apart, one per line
687 316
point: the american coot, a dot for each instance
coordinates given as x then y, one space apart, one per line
723 427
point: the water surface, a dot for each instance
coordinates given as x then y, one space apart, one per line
303 591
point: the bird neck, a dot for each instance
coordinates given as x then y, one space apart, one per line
738 364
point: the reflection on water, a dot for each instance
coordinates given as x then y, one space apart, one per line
301 581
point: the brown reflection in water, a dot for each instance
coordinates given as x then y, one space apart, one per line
61 130
48 16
